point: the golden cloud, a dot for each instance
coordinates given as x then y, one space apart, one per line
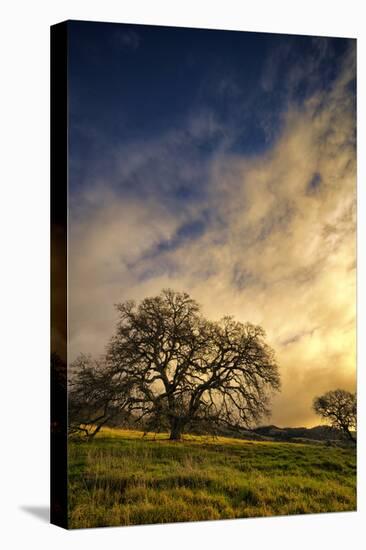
280 251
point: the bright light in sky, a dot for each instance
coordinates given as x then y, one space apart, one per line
222 164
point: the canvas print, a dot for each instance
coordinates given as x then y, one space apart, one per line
203 274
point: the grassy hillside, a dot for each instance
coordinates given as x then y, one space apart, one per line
122 479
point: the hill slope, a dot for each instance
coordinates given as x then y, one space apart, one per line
122 479
317 433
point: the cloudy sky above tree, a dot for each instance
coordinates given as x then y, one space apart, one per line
222 164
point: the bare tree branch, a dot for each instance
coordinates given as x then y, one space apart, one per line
339 407
187 369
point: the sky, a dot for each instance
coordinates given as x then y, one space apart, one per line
222 164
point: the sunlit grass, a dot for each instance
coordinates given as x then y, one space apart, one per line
123 478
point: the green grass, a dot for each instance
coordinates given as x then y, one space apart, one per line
122 479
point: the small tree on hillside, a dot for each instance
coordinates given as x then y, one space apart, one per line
339 407
96 396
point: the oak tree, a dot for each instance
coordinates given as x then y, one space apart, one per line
339 407
96 396
183 371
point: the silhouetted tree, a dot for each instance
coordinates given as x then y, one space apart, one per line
339 407
186 370
96 396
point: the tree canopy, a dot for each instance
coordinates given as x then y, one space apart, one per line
176 370
339 407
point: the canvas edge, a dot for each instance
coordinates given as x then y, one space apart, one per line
58 255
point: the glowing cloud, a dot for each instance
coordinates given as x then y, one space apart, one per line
271 241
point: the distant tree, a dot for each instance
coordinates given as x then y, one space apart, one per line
96 396
186 371
339 407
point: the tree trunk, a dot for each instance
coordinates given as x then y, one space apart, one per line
176 429
350 436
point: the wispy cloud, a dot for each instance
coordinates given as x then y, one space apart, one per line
268 238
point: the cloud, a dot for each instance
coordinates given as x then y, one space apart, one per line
267 238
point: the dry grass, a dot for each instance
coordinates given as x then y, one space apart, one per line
122 478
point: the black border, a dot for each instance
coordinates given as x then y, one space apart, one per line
59 170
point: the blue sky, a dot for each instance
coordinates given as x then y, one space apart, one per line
223 164
130 84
